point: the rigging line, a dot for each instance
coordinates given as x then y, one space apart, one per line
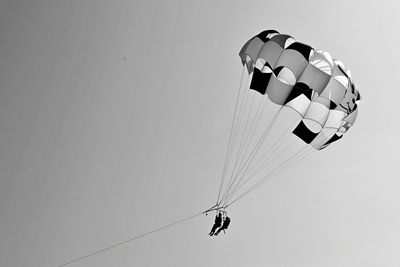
245 127
253 152
247 144
293 159
301 158
272 158
277 172
243 104
247 141
243 98
303 152
230 135
260 182
245 180
259 144
255 149
299 155
235 122
275 175
247 134
277 144
240 116
257 166
255 122
236 127
243 134
128 240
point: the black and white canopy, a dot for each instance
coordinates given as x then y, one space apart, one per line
293 74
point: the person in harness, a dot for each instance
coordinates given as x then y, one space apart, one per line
224 226
217 223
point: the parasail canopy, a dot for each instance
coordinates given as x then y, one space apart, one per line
319 88
293 100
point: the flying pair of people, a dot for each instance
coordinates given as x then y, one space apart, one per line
218 224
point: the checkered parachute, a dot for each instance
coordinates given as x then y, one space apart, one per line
293 100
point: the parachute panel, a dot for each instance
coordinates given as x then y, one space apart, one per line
293 60
314 78
278 91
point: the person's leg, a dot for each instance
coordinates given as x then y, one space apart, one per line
213 229
217 232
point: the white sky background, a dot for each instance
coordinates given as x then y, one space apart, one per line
115 116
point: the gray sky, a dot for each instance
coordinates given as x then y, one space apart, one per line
114 119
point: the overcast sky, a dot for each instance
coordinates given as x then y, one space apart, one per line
114 120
